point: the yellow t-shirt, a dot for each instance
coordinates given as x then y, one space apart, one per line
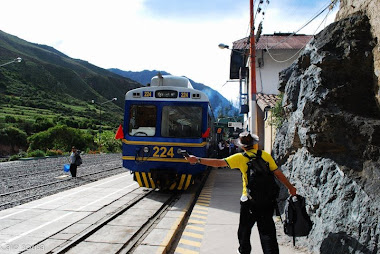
238 160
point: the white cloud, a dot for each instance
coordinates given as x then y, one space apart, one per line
124 34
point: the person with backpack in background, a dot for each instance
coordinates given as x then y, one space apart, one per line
251 211
75 161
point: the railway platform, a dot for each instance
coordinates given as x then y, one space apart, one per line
43 225
213 224
49 224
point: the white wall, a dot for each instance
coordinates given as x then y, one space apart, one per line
267 76
267 83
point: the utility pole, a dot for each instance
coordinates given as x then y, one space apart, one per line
252 76
100 118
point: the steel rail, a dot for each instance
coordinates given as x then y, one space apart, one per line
100 224
140 235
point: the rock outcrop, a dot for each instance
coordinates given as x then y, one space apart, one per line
329 144
372 9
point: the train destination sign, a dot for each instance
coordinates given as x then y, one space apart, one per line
166 94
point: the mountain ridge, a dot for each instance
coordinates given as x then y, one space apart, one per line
220 105
49 88
51 71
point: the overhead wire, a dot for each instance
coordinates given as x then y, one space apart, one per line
250 30
283 61
308 22
319 13
323 9
258 9
263 11
324 20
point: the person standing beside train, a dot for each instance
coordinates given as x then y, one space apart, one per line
221 148
248 215
74 161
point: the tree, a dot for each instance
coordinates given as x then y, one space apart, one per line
278 113
109 143
42 124
10 119
11 136
61 137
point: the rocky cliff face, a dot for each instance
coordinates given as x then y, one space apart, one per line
372 9
329 144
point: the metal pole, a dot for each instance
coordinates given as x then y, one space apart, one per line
240 86
100 128
100 118
252 53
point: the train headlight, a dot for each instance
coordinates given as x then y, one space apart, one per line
146 149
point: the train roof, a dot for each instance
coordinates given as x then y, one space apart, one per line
168 88
169 80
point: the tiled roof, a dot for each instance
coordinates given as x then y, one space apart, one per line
275 42
266 101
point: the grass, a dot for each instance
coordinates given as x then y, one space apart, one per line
30 114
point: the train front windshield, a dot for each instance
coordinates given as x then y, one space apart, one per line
142 120
181 121
176 121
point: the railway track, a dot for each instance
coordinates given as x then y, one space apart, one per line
113 213
24 181
26 168
158 203
12 196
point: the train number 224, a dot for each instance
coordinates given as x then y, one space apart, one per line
163 152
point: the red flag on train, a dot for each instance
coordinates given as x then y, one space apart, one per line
207 133
119 133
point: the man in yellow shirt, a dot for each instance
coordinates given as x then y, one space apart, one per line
248 215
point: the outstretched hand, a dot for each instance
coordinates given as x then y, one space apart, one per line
192 159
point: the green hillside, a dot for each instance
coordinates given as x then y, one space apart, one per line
48 88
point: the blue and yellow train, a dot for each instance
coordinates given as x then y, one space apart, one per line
160 121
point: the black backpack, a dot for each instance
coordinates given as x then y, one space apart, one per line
297 222
262 185
78 159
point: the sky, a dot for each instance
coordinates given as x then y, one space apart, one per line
177 36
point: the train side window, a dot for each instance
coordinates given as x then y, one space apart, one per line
142 120
181 121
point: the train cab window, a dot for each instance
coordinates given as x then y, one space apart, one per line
181 121
142 120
